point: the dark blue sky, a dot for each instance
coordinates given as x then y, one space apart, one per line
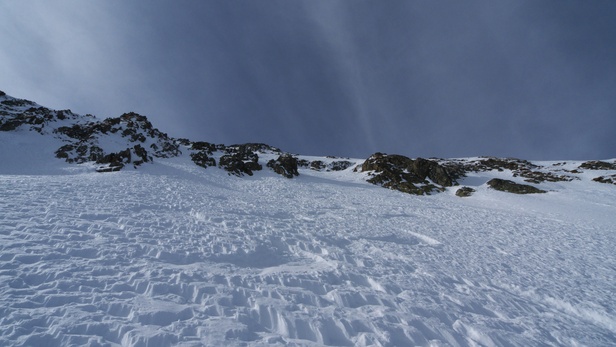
530 79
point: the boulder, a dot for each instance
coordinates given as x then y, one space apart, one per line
512 187
285 165
465 192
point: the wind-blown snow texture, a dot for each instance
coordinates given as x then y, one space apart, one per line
175 254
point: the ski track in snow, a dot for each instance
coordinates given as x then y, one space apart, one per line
176 255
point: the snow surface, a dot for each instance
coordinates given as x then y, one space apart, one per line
173 254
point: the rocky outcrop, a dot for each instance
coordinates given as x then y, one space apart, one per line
114 161
340 165
598 165
16 113
80 153
285 165
319 165
117 160
83 136
512 187
131 139
414 176
242 159
611 179
465 192
519 168
202 159
133 129
316 165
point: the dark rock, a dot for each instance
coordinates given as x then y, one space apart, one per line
434 171
465 192
10 125
253 147
234 164
116 159
2 93
340 165
317 165
512 187
598 165
285 165
241 159
518 167
96 153
63 152
606 179
142 153
303 163
407 175
506 163
77 132
169 149
209 148
201 159
539 177
17 102
184 142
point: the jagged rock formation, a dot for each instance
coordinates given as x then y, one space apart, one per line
113 142
16 113
131 132
512 187
419 176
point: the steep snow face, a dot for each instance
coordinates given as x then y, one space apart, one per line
177 255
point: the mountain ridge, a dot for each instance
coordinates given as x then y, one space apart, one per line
131 139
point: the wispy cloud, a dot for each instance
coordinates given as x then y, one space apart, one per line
440 78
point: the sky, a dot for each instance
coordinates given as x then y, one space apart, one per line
446 78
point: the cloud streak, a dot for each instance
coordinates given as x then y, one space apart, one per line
447 79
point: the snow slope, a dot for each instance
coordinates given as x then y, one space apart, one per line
173 254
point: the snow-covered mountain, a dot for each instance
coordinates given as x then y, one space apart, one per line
115 234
